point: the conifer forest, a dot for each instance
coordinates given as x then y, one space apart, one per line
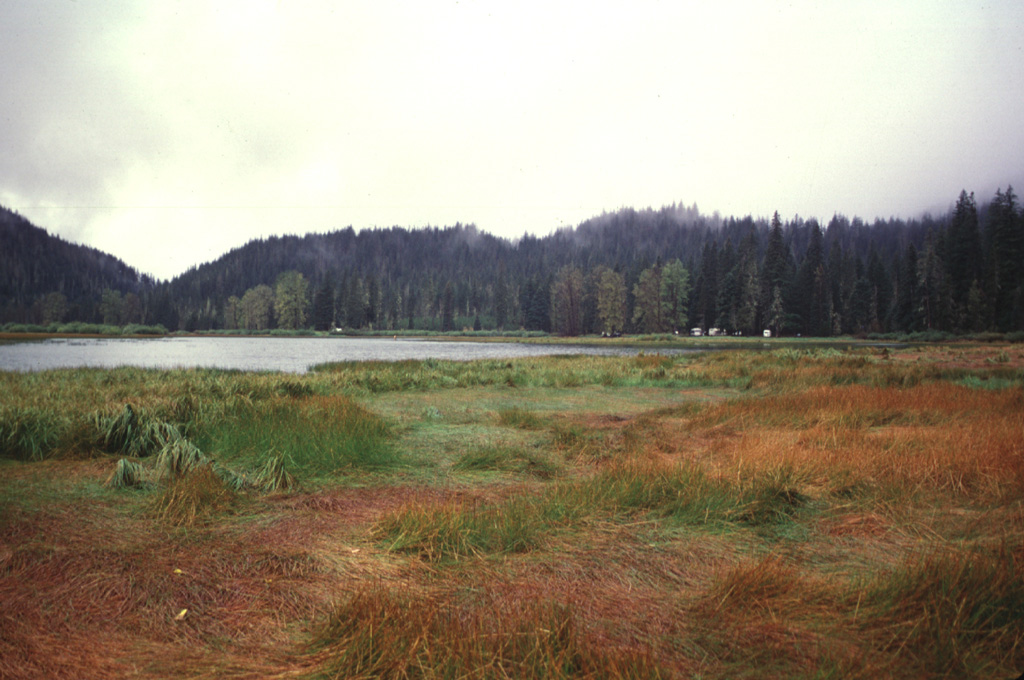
662 270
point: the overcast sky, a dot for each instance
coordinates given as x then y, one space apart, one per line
167 133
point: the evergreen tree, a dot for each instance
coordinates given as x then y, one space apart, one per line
747 284
132 309
809 296
775 274
54 307
536 305
1006 260
933 302
705 312
373 312
355 303
501 299
881 288
323 305
448 308
906 292
963 254
728 289
232 312
862 305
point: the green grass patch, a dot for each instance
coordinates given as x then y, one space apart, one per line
317 436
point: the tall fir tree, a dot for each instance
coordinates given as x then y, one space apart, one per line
323 305
1005 232
448 308
963 255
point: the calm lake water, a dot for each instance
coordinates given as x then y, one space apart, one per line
290 355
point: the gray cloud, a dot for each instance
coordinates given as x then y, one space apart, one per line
168 133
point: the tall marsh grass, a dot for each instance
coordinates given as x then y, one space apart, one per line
31 433
317 435
134 432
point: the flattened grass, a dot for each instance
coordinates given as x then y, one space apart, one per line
378 633
950 612
681 494
505 458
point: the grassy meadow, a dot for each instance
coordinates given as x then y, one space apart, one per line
795 513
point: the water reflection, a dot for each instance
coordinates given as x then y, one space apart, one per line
291 355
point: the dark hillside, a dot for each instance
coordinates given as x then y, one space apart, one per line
34 264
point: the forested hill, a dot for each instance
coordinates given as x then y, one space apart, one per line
628 271
44 278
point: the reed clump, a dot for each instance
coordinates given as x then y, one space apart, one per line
273 475
179 457
521 418
127 474
133 431
678 494
194 497
460 529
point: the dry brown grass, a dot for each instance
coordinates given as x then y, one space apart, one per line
931 438
90 591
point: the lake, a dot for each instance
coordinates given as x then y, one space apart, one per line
290 355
